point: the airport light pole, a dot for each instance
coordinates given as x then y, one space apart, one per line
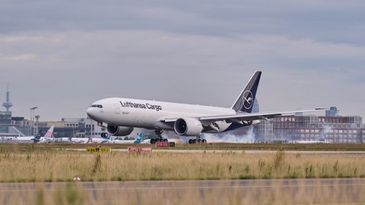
32 109
37 124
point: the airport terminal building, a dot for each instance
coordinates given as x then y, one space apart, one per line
72 127
299 128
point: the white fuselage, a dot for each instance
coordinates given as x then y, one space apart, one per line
79 140
148 114
25 138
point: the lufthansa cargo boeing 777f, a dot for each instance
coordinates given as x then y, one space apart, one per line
122 114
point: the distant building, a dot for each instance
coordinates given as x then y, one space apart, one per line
332 112
264 131
22 125
331 129
13 126
72 127
5 121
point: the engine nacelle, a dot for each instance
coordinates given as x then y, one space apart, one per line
119 130
188 127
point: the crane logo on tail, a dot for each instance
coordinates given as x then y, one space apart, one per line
248 99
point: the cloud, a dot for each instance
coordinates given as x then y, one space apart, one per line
76 67
321 20
16 58
63 55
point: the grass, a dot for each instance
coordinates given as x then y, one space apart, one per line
42 166
53 163
277 194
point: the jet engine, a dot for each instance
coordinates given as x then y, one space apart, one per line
188 127
119 130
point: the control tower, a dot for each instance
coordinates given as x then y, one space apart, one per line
7 104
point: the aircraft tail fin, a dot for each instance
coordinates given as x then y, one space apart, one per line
246 99
49 133
139 138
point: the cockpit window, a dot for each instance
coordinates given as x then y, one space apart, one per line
98 106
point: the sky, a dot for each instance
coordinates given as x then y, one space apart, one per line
63 55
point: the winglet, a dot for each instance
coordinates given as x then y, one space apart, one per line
246 99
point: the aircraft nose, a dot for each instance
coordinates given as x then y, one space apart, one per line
91 112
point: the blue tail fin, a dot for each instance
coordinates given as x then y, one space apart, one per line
139 138
246 99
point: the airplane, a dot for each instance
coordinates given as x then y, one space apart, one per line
122 115
311 142
79 140
98 140
27 139
47 138
139 139
24 139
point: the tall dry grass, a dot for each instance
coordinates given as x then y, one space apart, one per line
116 166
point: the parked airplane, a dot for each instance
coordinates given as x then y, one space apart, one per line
99 140
122 115
79 140
311 142
48 137
139 139
28 139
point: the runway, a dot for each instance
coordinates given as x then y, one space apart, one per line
292 191
253 152
248 152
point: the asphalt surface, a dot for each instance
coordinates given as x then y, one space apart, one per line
258 152
289 191
253 152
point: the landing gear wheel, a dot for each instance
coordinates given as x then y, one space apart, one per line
153 141
158 132
104 135
197 141
193 141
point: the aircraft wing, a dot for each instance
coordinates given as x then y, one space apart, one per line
241 117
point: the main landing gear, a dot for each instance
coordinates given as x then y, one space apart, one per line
158 138
104 135
198 140
154 141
